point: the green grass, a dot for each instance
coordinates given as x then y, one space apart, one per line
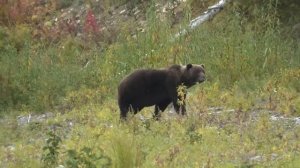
249 69
198 140
236 52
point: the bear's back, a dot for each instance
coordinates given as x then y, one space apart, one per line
144 78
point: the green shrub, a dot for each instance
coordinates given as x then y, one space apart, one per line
87 158
51 150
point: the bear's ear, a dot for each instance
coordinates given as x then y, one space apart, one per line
189 66
202 65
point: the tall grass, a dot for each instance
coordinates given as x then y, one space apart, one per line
38 76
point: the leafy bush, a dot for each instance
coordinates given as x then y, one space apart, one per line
51 150
87 158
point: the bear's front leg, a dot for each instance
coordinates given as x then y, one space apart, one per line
161 106
176 106
179 107
182 107
180 104
177 99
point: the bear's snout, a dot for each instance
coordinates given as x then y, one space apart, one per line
201 79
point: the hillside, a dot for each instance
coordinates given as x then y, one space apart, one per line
61 62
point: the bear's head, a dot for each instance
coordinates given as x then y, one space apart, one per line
193 74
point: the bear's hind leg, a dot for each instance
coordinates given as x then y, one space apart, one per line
123 112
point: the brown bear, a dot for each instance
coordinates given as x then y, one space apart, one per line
148 87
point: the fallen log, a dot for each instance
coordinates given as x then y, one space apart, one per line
210 13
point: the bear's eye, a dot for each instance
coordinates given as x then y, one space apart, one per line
200 71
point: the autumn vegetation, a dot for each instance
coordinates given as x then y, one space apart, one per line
70 63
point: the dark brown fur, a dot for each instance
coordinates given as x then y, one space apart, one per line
148 87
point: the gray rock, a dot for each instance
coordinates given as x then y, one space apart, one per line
23 120
257 158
